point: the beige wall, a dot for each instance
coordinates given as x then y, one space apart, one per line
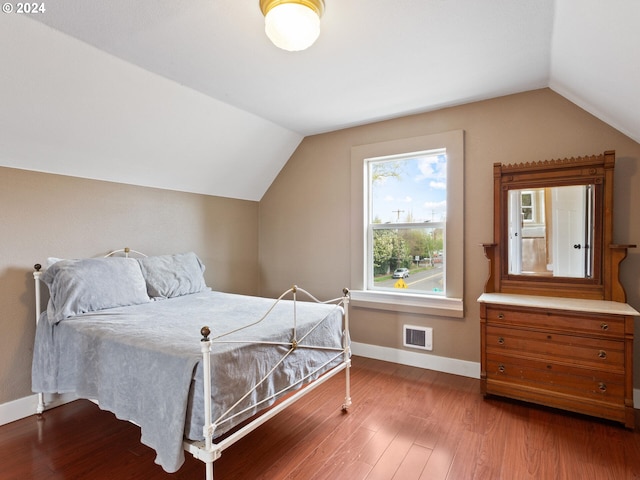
300 232
44 215
305 230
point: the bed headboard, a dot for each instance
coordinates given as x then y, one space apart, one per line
126 252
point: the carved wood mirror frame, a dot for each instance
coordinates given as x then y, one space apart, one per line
597 170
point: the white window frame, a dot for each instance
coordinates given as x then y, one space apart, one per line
451 304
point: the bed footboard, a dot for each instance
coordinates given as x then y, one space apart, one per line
209 451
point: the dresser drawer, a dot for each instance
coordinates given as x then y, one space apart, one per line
590 324
597 353
605 386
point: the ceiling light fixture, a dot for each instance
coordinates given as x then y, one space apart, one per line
292 25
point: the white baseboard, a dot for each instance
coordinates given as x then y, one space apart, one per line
26 406
432 362
414 359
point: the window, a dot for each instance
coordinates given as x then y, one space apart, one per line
527 206
408 197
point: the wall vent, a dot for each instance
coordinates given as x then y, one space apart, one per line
418 337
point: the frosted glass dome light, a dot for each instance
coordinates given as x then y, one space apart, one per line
292 25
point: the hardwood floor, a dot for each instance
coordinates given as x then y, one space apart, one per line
405 423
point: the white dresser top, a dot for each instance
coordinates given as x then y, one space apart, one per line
559 303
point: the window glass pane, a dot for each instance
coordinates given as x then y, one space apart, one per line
527 206
409 259
412 189
408 193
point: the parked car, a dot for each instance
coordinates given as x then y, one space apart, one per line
401 273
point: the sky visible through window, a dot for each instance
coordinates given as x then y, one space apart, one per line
411 189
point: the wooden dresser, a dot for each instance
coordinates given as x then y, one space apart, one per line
555 327
561 352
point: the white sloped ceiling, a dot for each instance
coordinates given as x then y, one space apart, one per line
190 94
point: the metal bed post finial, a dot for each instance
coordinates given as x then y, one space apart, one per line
205 332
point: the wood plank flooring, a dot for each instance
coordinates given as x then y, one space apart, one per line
405 423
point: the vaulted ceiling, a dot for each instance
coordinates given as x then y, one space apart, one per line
190 94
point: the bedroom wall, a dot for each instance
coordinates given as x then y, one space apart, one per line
44 215
304 217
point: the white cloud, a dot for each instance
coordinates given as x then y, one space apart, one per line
436 205
432 167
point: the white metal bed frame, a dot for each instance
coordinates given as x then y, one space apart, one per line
209 451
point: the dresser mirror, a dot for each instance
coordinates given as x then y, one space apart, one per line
553 229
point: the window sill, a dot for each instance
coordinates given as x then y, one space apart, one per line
403 302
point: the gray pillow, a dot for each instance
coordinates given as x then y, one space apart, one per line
170 276
92 284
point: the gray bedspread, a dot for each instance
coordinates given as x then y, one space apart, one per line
141 361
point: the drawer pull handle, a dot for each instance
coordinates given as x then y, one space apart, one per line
500 316
604 326
602 387
602 354
501 340
501 368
